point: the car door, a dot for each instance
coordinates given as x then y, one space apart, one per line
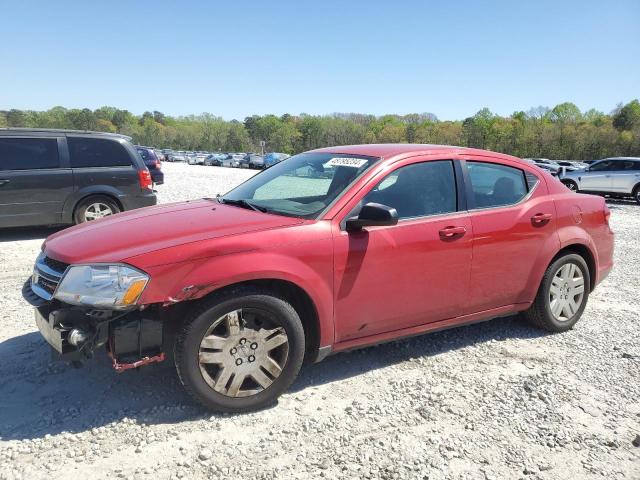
105 163
34 184
626 176
393 277
597 178
513 221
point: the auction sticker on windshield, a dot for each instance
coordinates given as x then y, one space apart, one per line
347 162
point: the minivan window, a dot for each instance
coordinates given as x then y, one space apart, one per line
495 185
418 190
28 153
97 152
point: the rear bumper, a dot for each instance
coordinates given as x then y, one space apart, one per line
132 202
157 176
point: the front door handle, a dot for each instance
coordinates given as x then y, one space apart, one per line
540 218
4 181
452 232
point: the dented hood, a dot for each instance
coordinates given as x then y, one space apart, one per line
113 239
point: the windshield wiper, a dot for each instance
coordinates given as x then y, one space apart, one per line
243 203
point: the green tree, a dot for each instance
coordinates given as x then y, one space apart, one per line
628 116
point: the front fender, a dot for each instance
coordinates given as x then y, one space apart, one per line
191 280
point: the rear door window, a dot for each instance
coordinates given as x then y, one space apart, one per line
97 152
496 185
28 153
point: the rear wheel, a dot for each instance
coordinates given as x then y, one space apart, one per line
571 185
562 296
240 350
636 193
95 207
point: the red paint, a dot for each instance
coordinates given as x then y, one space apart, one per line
370 286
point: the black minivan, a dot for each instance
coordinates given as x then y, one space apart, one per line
52 177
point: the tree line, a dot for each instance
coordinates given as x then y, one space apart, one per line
561 132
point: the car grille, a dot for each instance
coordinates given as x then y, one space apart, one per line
47 273
55 264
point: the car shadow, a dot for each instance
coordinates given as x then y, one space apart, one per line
41 397
613 203
27 233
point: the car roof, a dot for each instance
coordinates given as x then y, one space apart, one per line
388 150
57 131
621 158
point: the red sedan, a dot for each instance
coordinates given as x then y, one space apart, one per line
329 250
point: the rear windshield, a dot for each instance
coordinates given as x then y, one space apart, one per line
97 152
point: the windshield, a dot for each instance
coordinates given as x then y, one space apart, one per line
303 185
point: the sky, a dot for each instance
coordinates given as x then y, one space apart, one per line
237 58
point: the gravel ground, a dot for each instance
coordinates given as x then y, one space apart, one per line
495 400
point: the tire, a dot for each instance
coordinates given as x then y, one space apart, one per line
94 207
541 313
571 185
636 193
220 382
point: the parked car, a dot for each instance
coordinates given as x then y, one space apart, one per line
395 240
236 159
569 166
178 157
272 158
545 164
215 159
252 160
617 177
51 177
151 160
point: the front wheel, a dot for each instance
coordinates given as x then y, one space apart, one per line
240 350
636 193
562 296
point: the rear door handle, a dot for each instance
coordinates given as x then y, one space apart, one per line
3 181
540 218
452 232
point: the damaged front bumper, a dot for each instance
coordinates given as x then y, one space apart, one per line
132 338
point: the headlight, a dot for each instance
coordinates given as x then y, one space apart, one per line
102 286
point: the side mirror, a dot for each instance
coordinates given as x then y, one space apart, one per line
372 215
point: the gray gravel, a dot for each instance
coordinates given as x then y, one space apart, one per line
494 400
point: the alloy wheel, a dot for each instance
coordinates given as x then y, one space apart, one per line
566 293
243 353
97 210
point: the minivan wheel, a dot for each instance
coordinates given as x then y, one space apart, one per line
240 350
562 296
571 185
95 207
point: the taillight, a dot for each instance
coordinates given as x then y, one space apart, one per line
145 179
607 214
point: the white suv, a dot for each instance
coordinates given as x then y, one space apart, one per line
617 176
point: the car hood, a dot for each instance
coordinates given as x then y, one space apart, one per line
113 239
